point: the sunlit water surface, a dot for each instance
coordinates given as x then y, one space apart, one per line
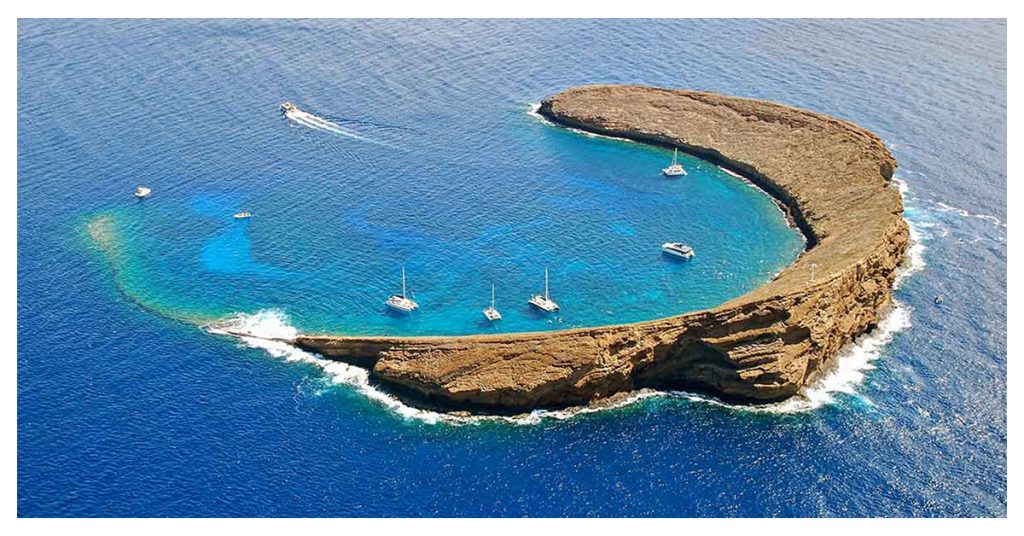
416 147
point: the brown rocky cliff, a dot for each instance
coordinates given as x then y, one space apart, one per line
832 176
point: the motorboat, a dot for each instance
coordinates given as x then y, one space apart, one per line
677 249
676 169
288 108
491 313
243 215
142 192
400 302
544 302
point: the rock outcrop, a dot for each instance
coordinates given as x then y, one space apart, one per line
832 176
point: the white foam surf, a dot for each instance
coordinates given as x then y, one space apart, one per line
915 255
851 367
534 111
943 207
854 361
919 233
926 224
271 331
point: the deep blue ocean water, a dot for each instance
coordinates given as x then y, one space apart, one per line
429 158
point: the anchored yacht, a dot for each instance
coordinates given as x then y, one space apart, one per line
400 302
676 169
142 192
677 249
243 215
544 303
491 313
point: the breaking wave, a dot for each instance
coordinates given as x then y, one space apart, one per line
943 207
915 261
271 331
856 359
915 255
534 111
852 365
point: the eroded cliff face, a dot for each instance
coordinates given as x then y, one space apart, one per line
764 346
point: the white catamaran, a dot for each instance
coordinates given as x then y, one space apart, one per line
544 303
400 302
491 313
676 169
677 249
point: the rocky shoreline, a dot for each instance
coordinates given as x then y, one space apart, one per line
832 177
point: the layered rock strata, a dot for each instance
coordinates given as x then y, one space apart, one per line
832 177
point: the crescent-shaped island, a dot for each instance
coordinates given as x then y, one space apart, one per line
832 177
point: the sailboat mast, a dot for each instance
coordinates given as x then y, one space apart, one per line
492 295
403 281
545 283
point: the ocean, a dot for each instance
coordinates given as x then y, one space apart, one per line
418 147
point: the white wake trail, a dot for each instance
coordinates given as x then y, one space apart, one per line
315 122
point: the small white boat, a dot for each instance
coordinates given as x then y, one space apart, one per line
142 192
676 169
677 249
401 303
544 303
243 215
288 107
491 313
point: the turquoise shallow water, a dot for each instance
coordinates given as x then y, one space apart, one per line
336 216
434 161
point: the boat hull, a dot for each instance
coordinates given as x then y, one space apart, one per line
544 305
400 304
492 315
677 254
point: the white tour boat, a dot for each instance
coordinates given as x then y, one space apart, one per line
400 302
490 313
142 192
544 303
676 169
243 215
677 249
